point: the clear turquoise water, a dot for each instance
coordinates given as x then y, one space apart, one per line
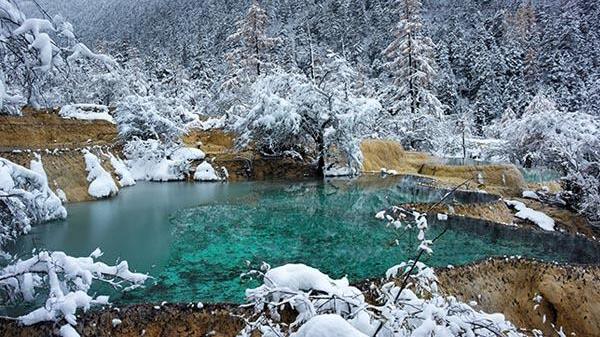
195 238
540 175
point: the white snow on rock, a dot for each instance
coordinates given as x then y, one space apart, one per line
531 195
385 171
102 184
298 277
205 172
187 153
159 170
89 112
68 331
121 170
523 212
339 171
328 326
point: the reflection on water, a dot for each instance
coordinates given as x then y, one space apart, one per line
195 238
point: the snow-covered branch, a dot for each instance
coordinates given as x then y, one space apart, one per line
67 279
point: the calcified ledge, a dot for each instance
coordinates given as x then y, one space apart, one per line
499 284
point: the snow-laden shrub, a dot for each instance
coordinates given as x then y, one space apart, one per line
151 117
67 281
425 132
25 198
565 141
409 301
290 114
273 123
152 160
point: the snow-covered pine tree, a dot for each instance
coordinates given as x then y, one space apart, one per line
252 43
412 65
410 98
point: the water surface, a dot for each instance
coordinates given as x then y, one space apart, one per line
195 239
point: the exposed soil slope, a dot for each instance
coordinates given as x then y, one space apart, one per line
570 294
59 141
47 130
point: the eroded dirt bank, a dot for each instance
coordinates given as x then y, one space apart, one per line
59 142
569 299
570 296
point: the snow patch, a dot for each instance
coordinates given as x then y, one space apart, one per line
88 112
339 171
523 212
68 331
121 170
328 326
205 172
102 184
531 195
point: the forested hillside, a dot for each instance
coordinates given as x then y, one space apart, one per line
491 55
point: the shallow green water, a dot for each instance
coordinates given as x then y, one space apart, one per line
540 175
195 238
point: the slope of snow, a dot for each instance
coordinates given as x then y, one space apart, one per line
187 153
102 184
157 170
151 160
88 112
121 170
523 212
